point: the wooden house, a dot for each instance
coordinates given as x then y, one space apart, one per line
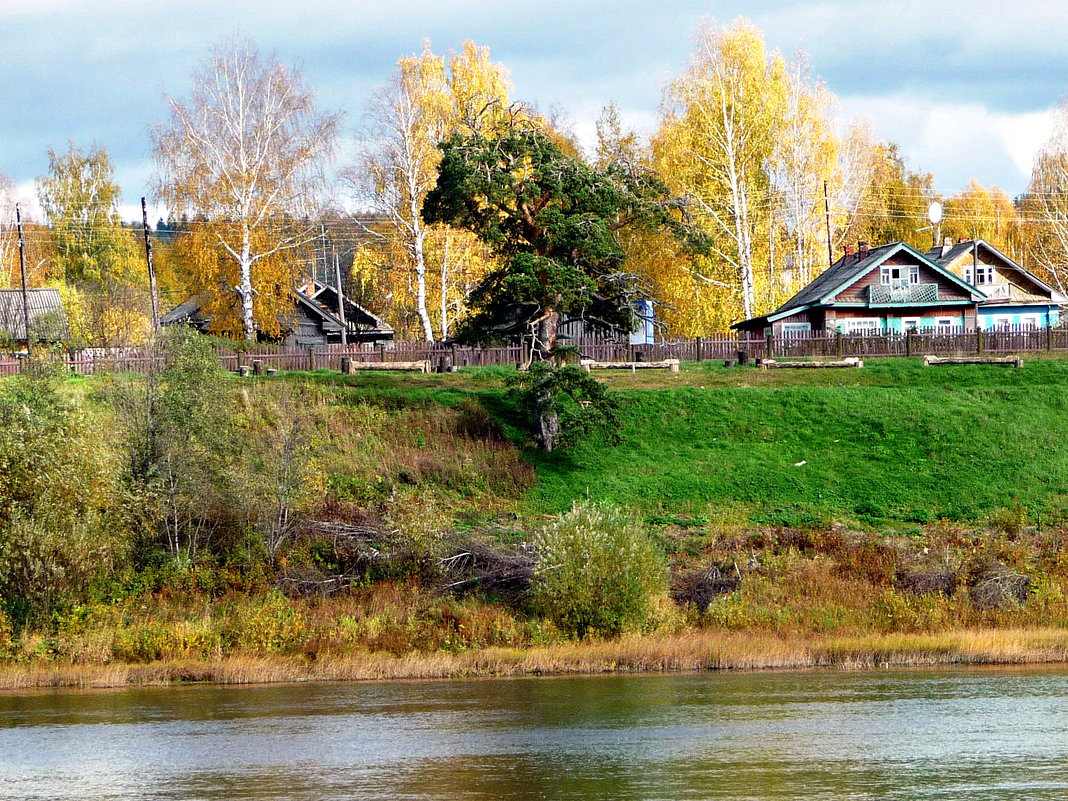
1014 297
315 318
48 323
890 288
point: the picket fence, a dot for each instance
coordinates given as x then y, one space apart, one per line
952 342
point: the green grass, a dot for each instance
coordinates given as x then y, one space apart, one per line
895 442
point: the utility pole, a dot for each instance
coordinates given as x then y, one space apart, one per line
827 208
341 301
25 293
151 268
322 241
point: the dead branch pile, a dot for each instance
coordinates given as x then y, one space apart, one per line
1000 588
356 551
700 587
505 572
927 581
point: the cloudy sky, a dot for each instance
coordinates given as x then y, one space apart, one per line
965 88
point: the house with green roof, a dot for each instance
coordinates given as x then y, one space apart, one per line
890 288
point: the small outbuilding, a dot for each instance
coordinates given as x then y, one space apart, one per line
315 318
48 323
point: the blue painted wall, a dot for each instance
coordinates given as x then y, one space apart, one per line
988 314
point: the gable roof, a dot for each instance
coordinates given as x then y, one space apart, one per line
309 299
843 272
847 271
322 299
47 320
961 248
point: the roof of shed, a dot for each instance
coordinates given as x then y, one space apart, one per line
48 323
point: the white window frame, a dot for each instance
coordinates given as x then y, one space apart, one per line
1030 320
861 325
910 323
945 325
796 329
1002 322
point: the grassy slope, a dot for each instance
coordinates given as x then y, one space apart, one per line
893 442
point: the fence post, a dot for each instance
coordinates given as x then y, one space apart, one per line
697 349
311 356
769 342
838 344
978 341
1049 336
908 342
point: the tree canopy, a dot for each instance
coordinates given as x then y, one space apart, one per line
554 223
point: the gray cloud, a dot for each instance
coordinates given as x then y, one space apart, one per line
95 71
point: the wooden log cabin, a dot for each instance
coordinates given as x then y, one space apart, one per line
890 288
1013 296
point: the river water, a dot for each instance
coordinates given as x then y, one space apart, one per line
952 734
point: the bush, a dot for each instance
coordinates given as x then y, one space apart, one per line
61 509
597 572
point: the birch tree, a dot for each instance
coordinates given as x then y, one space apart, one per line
1046 206
245 154
8 236
717 138
427 99
805 158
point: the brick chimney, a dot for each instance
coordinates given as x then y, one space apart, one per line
947 245
849 252
862 251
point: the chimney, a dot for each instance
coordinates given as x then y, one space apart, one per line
862 251
848 253
947 245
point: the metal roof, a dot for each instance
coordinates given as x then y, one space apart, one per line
48 323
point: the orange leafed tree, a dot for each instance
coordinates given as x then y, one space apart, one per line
245 155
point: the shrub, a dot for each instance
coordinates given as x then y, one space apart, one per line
266 624
61 509
597 571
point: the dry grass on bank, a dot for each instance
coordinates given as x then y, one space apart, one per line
687 652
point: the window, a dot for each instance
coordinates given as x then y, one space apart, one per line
944 325
981 274
868 325
796 329
1030 321
910 324
1003 323
899 276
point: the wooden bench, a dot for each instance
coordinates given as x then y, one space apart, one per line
771 364
1012 361
351 366
666 364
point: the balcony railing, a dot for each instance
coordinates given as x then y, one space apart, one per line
995 291
903 293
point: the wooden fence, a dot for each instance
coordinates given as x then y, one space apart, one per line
815 345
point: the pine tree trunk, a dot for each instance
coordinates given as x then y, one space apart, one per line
547 430
548 328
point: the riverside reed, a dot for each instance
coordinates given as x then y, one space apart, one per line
894 514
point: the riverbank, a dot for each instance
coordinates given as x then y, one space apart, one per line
686 652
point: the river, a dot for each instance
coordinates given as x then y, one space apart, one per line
948 734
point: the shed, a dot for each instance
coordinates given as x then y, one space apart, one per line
48 323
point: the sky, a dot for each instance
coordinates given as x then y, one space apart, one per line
965 88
